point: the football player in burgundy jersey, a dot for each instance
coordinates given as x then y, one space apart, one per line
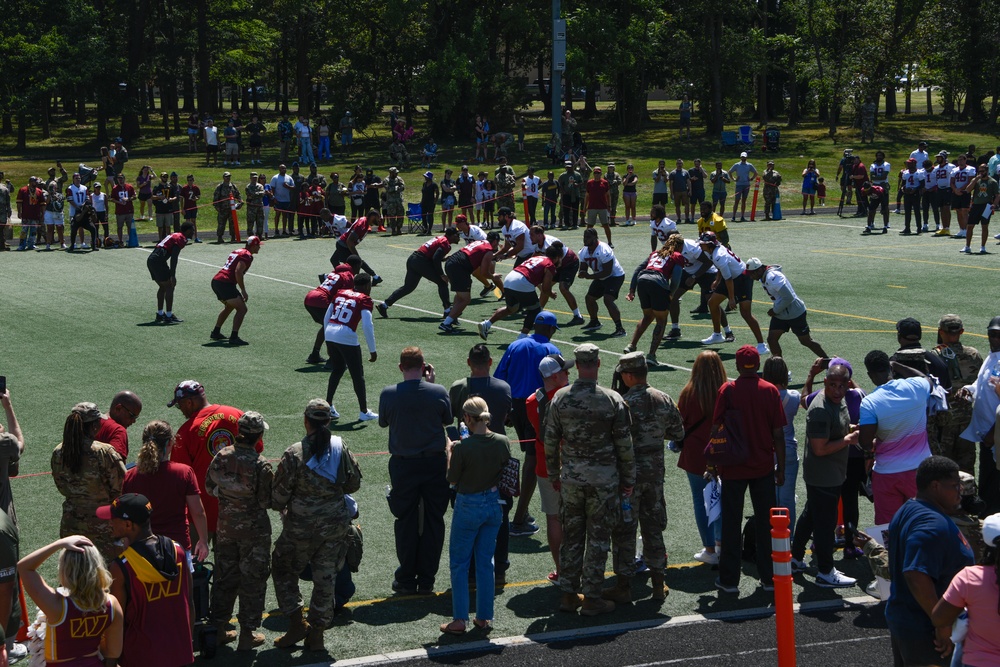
655 280
519 289
162 265
426 262
230 290
318 299
346 311
476 258
348 242
568 268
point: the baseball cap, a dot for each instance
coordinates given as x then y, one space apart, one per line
186 389
951 323
909 328
709 238
568 163
969 486
633 361
317 408
252 422
253 241
554 363
994 324
89 412
547 318
991 529
942 154
164 174
848 151
428 174
253 174
393 169
922 143
133 507
588 352
753 264
912 160
743 154
225 174
747 357
840 361
173 174
531 170
597 169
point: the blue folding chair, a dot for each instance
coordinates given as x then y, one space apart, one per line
745 137
415 216
728 139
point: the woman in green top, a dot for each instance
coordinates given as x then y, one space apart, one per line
474 468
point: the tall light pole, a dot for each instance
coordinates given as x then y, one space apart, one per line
558 67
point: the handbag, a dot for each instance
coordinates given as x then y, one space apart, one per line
727 445
510 478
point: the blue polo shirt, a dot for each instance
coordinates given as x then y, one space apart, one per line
519 365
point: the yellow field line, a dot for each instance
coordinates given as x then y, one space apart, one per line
883 258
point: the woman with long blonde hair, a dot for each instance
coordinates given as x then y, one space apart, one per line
697 404
86 604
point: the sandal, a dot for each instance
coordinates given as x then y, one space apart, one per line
483 625
456 627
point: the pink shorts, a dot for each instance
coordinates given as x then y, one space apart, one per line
891 491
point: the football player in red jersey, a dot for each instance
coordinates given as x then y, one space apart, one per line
347 244
162 265
475 259
230 290
426 262
519 289
319 298
656 279
347 310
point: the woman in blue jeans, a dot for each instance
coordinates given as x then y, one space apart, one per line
776 372
474 468
697 404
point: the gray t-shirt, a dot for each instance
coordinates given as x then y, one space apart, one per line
825 419
494 391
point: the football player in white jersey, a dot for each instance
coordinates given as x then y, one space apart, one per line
879 172
698 270
568 268
940 180
961 199
732 283
787 309
599 265
660 226
913 190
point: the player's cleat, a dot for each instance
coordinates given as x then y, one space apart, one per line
383 310
236 341
867 231
618 333
575 321
367 416
447 328
486 291
314 358
593 325
762 348
673 334
160 318
651 360
713 339
333 413
484 330
629 349
730 337
376 280
172 319
885 230
966 251
217 335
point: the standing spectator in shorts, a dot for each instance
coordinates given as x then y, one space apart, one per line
698 176
599 265
429 194
285 134
162 265
742 174
175 205
255 129
162 199
6 189
123 196
449 197
629 195
466 185
550 201
985 193
686 108
614 180
680 187
99 201
661 180
720 179
596 203
190 195
55 223
225 194
211 144
232 136
225 284
347 126
809 177
285 200
532 184
144 186
77 195
772 181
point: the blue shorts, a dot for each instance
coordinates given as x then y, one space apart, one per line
742 191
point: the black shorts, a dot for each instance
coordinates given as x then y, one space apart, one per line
159 271
697 196
976 215
225 291
566 273
607 287
145 196
212 148
340 254
654 294
742 288
102 216
318 313
798 325
523 301
660 198
961 201
943 198
255 142
704 281
459 270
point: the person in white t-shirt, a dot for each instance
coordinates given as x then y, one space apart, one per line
920 154
733 283
532 184
100 202
304 134
939 183
77 195
211 143
599 265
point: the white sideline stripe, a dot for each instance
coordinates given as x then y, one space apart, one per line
434 652
759 650
418 310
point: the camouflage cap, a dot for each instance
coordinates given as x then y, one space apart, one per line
631 362
252 422
586 353
253 174
951 323
969 487
318 409
88 412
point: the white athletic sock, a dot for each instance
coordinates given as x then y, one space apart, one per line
576 312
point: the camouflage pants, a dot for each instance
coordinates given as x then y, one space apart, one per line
255 221
614 203
241 568
942 435
588 515
867 129
505 198
395 212
322 547
649 515
769 194
86 524
223 219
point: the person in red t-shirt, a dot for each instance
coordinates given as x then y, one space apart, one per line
162 265
426 262
225 284
348 309
318 299
208 429
171 487
123 195
597 203
30 208
125 409
190 194
763 420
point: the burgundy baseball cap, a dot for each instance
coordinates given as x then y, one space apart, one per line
747 357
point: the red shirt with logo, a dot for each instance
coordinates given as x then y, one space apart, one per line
172 243
189 195
664 265
340 278
476 251
430 248
359 229
227 273
32 203
347 308
534 269
123 196
78 634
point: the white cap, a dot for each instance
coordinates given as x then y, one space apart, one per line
743 154
753 264
991 529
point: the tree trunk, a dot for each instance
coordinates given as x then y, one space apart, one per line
715 118
151 95
102 116
206 96
81 106
793 92
175 106
907 107
302 83
590 99
46 112
543 92
762 77
930 101
890 101
188 85
166 120
22 131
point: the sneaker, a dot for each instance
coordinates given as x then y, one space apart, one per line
63 245
707 557
943 232
85 245
726 589
798 566
447 328
486 291
713 339
673 334
236 341
960 235
367 416
762 348
522 529
618 333
197 240
611 245
982 251
867 231
924 230
333 413
651 360
730 337
16 652
172 319
834 579
314 358
885 230
872 590
376 280
640 566
484 329
628 349
574 322
160 318
383 310
966 250
553 578
593 325
217 335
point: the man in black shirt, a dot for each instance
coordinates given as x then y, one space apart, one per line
910 353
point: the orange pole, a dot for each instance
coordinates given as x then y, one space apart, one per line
753 209
236 219
22 632
524 200
784 615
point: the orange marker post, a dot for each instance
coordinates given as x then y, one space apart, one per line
524 200
753 209
236 219
784 615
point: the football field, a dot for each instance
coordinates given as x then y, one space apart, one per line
81 327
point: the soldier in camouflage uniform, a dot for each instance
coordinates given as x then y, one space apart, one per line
220 199
88 474
505 179
614 180
589 459
309 487
655 419
772 180
944 428
6 231
255 206
394 209
868 121
241 479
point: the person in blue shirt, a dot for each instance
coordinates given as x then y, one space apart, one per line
926 549
519 368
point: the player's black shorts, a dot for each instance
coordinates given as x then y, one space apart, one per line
942 197
653 292
225 291
798 325
459 270
961 201
521 300
742 288
318 313
566 273
608 287
157 265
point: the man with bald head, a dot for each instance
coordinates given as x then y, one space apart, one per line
125 409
